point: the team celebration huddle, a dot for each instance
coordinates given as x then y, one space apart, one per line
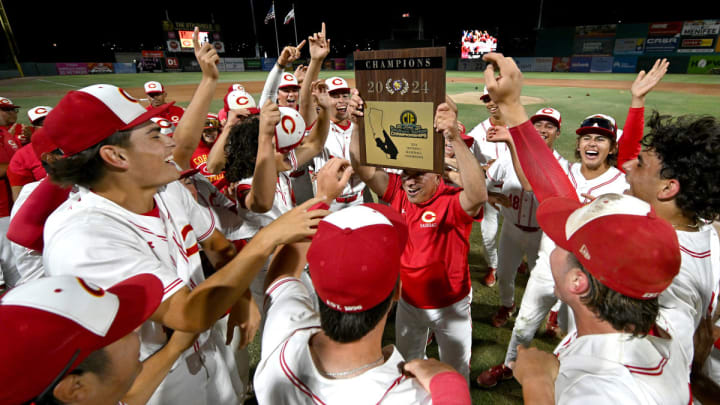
146 246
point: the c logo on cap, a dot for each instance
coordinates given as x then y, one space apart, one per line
92 290
164 123
127 96
337 81
40 110
283 123
428 217
288 78
175 118
242 100
4 101
152 86
548 111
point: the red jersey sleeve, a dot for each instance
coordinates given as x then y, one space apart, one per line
449 388
541 168
394 186
629 144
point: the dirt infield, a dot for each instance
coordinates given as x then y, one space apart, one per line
183 93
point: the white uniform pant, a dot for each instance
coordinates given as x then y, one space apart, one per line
514 243
489 228
538 299
452 326
206 377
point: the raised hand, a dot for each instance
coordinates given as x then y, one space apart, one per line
499 134
319 45
289 54
300 73
446 120
356 106
332 178
206 56
295 225
320 94
645 82
505 88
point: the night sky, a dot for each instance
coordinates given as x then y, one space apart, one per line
93 30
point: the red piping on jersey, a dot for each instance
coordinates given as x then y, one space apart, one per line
210 230
171 286
697 255
275 286
604 184
146 230
181 248
293 379
657 370
186 230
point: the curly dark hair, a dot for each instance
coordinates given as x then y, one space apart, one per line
689 150
84 168
627 314
241 149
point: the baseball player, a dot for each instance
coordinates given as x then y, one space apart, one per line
489 152
200 156
523 237
614 258
25 167
97 359
436 291
282 87
334 354
223 113
158 97
9 144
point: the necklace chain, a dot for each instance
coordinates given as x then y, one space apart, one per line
356 370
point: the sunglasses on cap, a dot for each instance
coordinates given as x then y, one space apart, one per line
599 122
212 124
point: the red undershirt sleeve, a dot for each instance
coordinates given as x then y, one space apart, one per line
629 144
541 168
449 388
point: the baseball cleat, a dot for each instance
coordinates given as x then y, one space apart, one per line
491 377
503 314
490 279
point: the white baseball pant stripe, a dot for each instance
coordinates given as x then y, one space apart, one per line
488 227
452 326
514 242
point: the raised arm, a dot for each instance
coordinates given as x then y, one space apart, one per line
319 50
474 193
313 144
287 57
374 177
629 144
189 129
216 157
262 193
541 168
501 134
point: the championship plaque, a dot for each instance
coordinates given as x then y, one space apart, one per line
401 89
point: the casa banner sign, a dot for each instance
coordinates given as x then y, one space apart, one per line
661 44
401 89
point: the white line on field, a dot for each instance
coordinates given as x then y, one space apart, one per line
60 84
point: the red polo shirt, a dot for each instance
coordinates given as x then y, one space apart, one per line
434 266
199 161
25 167
8 147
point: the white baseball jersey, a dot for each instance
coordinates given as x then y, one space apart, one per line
8 271
337 144
615 368
287 375
523 204
694 291
91 237
488 150
229 218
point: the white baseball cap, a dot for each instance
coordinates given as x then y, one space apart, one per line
235 86
288 80
549 114
336 83
485 96
166 127
7 103
154 87
289 132
240 99
38 112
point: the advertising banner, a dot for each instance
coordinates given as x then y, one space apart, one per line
219 46
172 64
543 64
665 28
601 64
173 45
100 68
268 63
153 54
124 68
561 64
72 68
593 46
580 63
339 63
661 44
253 64
701 28
525 64
629 46
624 64
605 30
704 64
697 44
234 64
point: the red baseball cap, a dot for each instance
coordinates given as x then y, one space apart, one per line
166 126
619 239
549 114
52 324
355 256
85 117
41 143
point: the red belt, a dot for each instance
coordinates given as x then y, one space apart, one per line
347 199
297 173
528 228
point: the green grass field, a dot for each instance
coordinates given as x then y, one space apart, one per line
489 343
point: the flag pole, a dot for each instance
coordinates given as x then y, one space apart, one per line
295 23
277 42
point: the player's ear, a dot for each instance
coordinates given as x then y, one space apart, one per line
71 389
669 189
578 281
114 156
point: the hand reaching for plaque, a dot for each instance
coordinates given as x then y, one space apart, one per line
356 106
